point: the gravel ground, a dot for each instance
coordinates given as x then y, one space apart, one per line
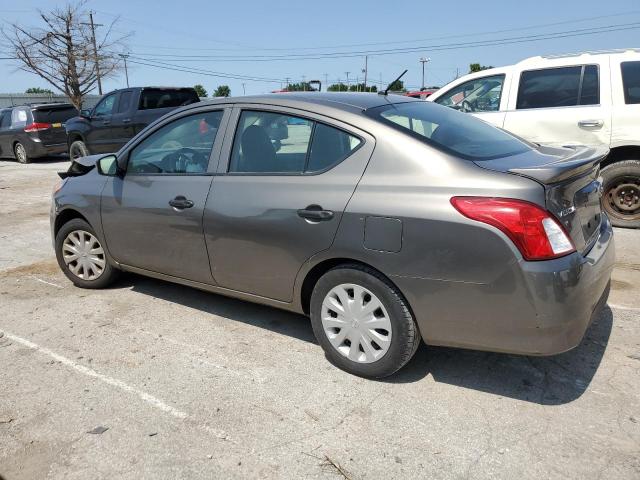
189 384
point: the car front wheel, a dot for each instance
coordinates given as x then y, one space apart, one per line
81 256
362 322
78 149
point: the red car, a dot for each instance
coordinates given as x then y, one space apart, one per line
421 93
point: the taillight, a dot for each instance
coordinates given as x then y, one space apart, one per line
535 232
37 127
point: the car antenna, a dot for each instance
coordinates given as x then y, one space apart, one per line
386 90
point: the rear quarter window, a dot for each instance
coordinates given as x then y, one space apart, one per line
164 98
454 132
631 82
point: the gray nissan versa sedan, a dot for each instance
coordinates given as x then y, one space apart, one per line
385 219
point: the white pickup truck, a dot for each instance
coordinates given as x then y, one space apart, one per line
588 98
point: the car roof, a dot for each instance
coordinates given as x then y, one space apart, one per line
337 100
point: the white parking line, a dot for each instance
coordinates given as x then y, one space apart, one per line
146 397
46 283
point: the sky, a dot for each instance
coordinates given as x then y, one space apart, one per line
266 43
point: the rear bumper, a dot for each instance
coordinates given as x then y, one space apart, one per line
534 308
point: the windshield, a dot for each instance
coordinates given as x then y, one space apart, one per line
449 130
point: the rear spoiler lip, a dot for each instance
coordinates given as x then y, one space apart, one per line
582 161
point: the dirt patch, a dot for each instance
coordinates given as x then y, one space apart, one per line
44 267
620 285
628 266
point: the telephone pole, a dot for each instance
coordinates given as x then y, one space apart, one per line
326 82
95 49
366 67
423 60
124 56
244 91
347 74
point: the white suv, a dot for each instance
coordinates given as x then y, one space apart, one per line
589 99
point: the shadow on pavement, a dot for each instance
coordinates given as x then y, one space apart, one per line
544 380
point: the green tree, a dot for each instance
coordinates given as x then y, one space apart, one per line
476 67
200 90
38 90
300 87
222 91
397 86
360 87
337 87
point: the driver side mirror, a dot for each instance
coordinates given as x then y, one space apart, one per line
110 166
86 113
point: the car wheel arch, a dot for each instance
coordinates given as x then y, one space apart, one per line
621 153
66 216
314 274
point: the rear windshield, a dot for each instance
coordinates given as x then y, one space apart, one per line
164 98
54 115
450 130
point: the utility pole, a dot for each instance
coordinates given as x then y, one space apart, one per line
287 87
423 60
95 49
304 84
347 74
326 82
124 56
366 67
244 91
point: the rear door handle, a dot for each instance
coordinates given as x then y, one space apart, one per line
106 122
315 213
180 203
590 123
126 120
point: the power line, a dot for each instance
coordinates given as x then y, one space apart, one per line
393 51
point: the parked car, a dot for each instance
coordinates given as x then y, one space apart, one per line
120 115
591 99
32 131
422 93
386 219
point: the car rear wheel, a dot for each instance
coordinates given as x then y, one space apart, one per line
81 256
621 196
78 149
21 153
362 322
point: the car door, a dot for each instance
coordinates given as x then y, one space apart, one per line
5 141
279 196
122 129
152 215
99 137
625 75
482 97
564 104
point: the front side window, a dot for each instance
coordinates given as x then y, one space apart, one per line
5 119
631 82
478 95
462 135
105 107
559 87
180 147
268 142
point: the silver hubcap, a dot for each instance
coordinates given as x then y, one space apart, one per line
83 255
20 153
356 323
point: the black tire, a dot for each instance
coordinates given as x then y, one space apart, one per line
621 193
21 153
109 273
405 336
78 149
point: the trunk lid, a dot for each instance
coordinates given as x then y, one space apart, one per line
570 177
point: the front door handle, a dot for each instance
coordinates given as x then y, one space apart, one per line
315 213
126 120
180 203
106 123
590 123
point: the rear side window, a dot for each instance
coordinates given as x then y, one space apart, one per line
5 119
125 101
20 117
559 87
54 115
631 82
446 129
163 98
269 142
590 91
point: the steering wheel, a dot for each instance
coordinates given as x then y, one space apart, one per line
179 160
466 106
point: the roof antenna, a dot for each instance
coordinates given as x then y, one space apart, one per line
386 90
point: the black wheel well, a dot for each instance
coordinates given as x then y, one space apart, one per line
65 216
72 137
323 267
617 154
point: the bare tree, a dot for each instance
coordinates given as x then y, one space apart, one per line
61 50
